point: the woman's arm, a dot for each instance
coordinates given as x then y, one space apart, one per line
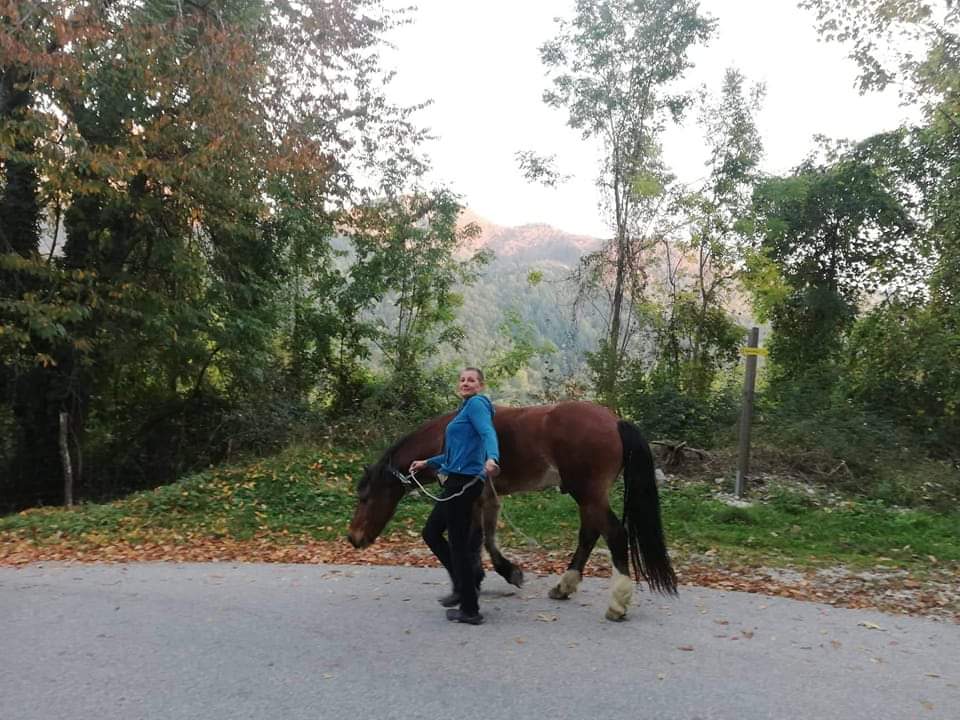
435 462
480 416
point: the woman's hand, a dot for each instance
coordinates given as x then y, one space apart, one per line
491 468
417 465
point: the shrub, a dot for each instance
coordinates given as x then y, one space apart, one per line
663 411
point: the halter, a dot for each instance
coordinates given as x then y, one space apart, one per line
410 480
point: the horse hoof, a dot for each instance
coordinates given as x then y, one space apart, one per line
615 616
557 594
516 577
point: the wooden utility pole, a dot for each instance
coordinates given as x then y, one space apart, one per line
746 415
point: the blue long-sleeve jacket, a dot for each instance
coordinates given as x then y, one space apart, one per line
469 440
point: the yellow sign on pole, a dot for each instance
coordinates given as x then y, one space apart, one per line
753 351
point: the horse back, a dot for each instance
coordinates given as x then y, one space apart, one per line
565 444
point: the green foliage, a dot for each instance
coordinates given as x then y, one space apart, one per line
808 415
607 374
520 348
612 69
808 330
406 256
829 234
918 482
412 392
243 251
902 364
666 412
694 341
840 226
763 279
695 337
545 319
193 160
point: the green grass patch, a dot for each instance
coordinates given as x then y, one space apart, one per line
302 492
789 529
309 493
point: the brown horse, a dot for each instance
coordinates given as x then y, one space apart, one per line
580 447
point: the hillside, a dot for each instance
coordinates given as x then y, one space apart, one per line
546 306
532 243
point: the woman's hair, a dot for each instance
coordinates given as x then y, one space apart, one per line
478 371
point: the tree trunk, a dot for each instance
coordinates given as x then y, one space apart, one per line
65 459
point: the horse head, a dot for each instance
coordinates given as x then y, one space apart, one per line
378 494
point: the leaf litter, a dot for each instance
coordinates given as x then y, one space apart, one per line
935 594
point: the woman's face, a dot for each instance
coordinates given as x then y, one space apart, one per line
469 384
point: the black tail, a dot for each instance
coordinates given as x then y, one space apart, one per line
641 513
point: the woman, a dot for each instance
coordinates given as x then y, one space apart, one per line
471 453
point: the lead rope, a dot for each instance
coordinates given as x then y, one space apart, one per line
531 542
411 479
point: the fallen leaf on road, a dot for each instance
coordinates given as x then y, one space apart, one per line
685 648
543 617
870 625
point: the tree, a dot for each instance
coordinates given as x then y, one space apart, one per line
914 46
613 67
698 336
182 140
406 255
835 232
901 364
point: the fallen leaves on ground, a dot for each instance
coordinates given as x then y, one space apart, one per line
935 595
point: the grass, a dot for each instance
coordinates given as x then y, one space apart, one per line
790 530
305 492
299 493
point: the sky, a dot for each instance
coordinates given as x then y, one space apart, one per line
479 64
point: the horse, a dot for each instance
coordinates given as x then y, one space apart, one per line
580 447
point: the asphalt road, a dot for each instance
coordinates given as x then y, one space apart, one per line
231 641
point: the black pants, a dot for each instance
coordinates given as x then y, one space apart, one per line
460 552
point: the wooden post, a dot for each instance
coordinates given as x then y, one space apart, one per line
65 459
746 414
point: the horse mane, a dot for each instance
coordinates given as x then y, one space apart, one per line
385 458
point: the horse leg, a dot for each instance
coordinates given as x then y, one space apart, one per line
621 594
504 567
570 580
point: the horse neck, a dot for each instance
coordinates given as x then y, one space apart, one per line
424 442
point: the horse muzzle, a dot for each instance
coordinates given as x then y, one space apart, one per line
357 540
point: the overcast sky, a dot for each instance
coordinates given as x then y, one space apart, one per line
479 63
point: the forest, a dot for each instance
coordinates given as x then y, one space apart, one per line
217 238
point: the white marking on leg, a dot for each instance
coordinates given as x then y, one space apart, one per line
567 585
621 595
569 582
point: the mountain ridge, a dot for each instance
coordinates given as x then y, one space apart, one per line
530 242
